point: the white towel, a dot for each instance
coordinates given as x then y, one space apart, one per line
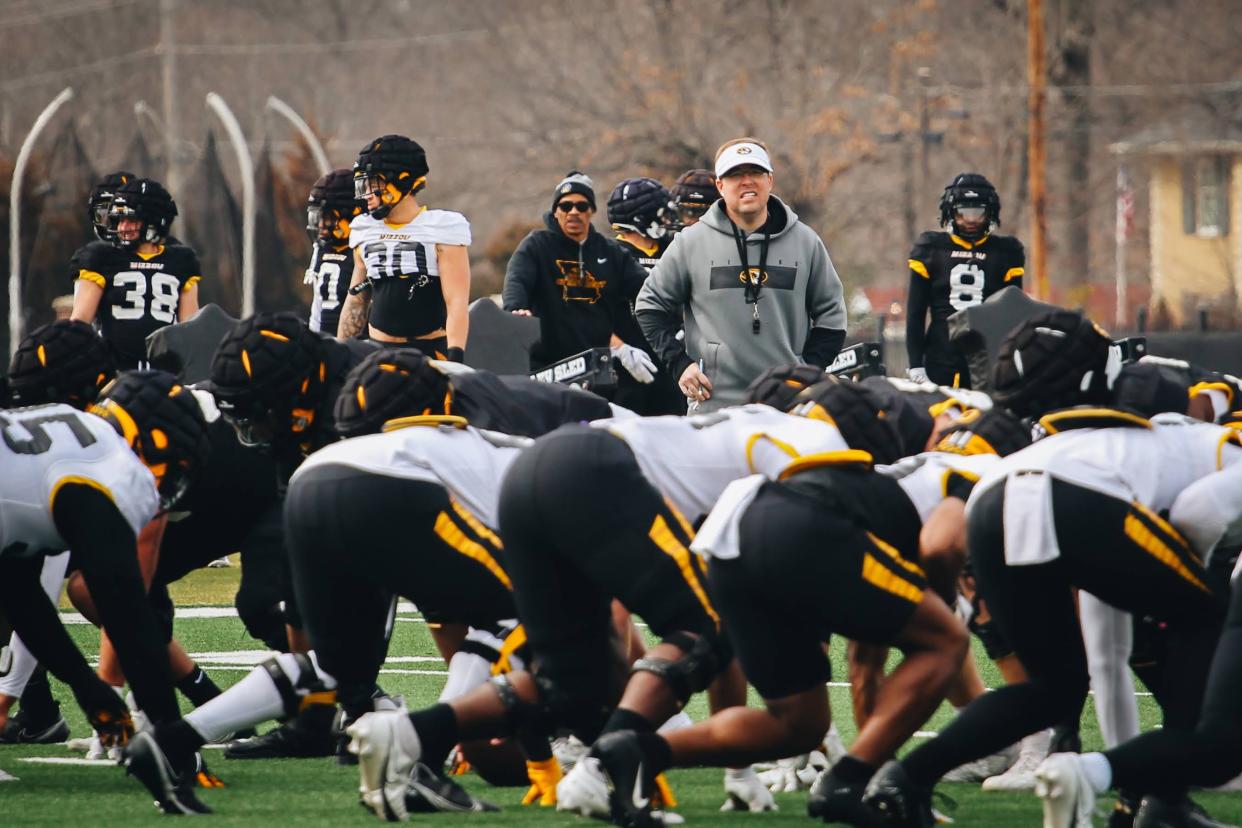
718 536
1030 534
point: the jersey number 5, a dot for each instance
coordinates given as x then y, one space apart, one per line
163 295
40 440
965 286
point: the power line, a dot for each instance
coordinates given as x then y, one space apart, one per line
64 11
42 77
329 45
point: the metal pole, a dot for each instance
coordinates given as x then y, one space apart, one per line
167 50
16 319
1035 119
217 105
924 74
312 140
1120 234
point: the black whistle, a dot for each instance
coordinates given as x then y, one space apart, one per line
754 326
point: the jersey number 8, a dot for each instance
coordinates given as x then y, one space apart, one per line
965 286
163 295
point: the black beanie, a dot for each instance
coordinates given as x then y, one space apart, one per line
575 182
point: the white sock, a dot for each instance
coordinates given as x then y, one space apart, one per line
250 702
466 672
1097 770
676 721
1108 638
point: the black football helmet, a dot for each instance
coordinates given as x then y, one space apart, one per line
330 207
99 202
268 377
779 387
994 431
859 413
389 384
694 192
970 190
391 167
1055 360
639 204
64 362
147 201
163 424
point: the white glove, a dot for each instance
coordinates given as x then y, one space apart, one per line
745 792
636 361
917 374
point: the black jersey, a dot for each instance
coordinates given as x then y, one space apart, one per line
141 293
647 257
330 271
949 274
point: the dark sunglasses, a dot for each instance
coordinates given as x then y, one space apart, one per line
570 206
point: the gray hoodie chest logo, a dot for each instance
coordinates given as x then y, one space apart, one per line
776 277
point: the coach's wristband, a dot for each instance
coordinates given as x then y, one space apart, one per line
456 355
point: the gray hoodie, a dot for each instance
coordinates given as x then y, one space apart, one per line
698 282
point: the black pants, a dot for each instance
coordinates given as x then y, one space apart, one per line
804 573
357 538
583 526
1118 551
1208 755
266 581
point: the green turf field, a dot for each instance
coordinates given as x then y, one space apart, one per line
317 792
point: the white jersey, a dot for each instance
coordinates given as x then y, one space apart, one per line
690 460
926 477
407 250
47 446
1149 465
469 462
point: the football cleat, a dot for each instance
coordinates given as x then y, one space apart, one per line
387 747
584 790
744 791
1021 776
1124 809
834 800
23 728
1068 798
568 750
173 790
984 767
1156 812
308 735
894 800
429 792
629 782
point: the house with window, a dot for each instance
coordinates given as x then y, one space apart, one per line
1194 171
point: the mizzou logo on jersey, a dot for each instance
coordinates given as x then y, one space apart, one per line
776 277
576 285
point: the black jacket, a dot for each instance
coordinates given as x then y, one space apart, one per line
576 290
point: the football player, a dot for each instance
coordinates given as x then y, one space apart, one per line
1079 508
954 269
569 555
275 383
693 193
91 482
64 362
411 265
139 282
636 211
330 208
831 548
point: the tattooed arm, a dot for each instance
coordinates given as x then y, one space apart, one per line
357 306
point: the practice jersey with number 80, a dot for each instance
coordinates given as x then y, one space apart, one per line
141 293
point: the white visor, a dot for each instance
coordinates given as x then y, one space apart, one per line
740 154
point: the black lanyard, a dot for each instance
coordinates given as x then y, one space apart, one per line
752 284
